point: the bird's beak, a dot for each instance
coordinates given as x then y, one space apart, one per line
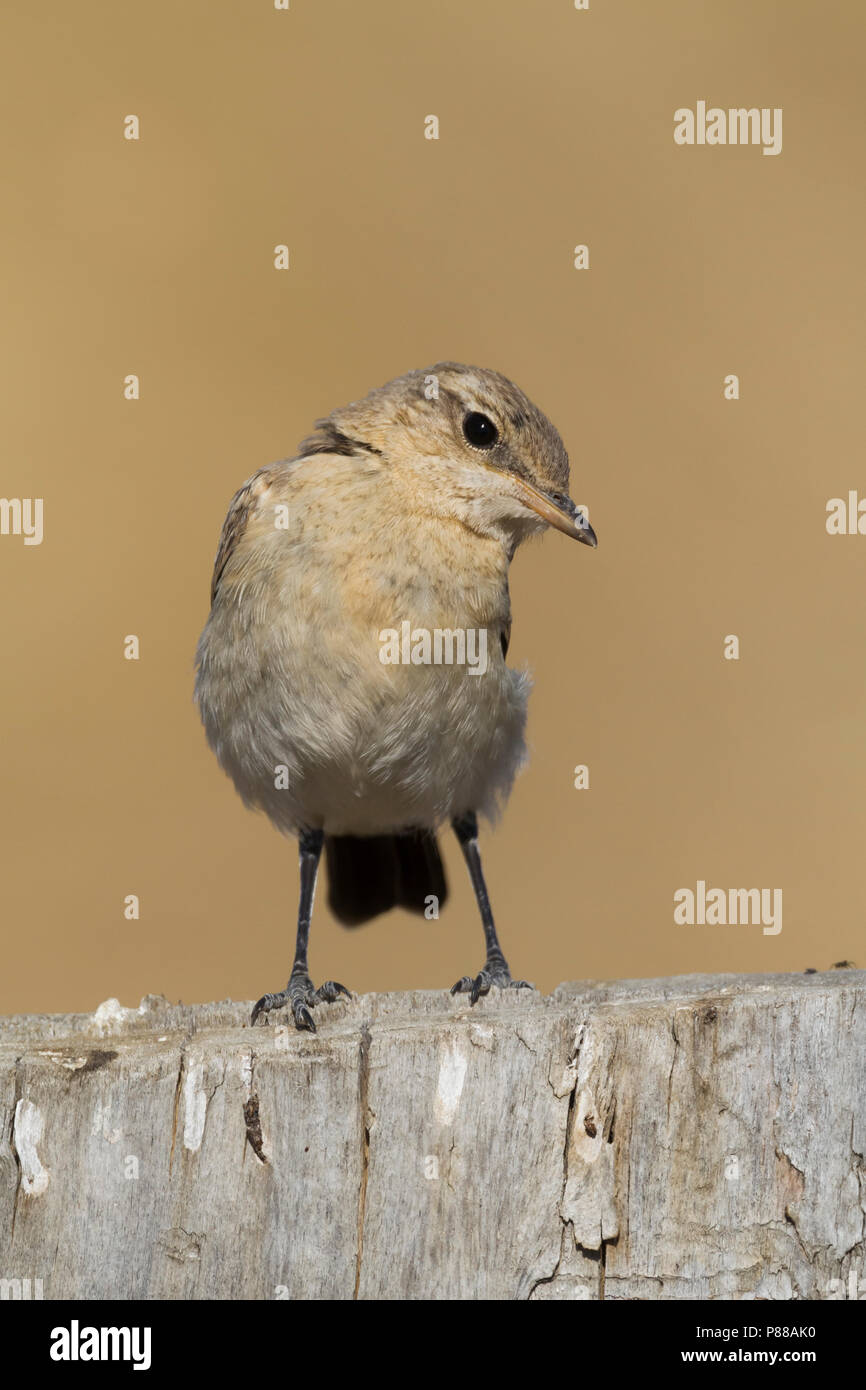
558 511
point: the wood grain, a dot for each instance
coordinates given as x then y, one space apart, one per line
699 1137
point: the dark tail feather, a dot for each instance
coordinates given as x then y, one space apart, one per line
373 873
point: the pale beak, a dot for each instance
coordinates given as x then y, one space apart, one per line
558 511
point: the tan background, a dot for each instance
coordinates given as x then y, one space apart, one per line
259 127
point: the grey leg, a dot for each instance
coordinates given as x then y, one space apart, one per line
300 992
495 970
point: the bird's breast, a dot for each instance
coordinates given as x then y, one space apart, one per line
362 650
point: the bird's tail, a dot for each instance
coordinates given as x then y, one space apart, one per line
370 874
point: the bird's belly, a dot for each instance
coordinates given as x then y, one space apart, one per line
328 738
448 744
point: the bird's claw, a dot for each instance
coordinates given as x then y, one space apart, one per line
331 990
302 996
483 982
265 1004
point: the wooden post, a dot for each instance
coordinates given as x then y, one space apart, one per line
700 1137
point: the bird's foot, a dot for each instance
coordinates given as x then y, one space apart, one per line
494 973
302 995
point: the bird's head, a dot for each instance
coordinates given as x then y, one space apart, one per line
470 444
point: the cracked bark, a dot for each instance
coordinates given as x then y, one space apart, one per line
529 1147
366 1122
11 1165
176 1107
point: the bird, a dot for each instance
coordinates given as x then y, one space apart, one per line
316 674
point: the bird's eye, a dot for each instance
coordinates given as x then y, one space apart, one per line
480 432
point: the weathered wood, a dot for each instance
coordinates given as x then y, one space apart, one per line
700 1137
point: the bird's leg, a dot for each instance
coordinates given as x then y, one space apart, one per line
300 992
495 971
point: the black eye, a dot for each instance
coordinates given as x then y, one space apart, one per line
479 431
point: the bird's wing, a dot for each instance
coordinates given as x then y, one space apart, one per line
241 507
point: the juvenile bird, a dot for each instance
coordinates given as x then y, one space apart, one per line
352 676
